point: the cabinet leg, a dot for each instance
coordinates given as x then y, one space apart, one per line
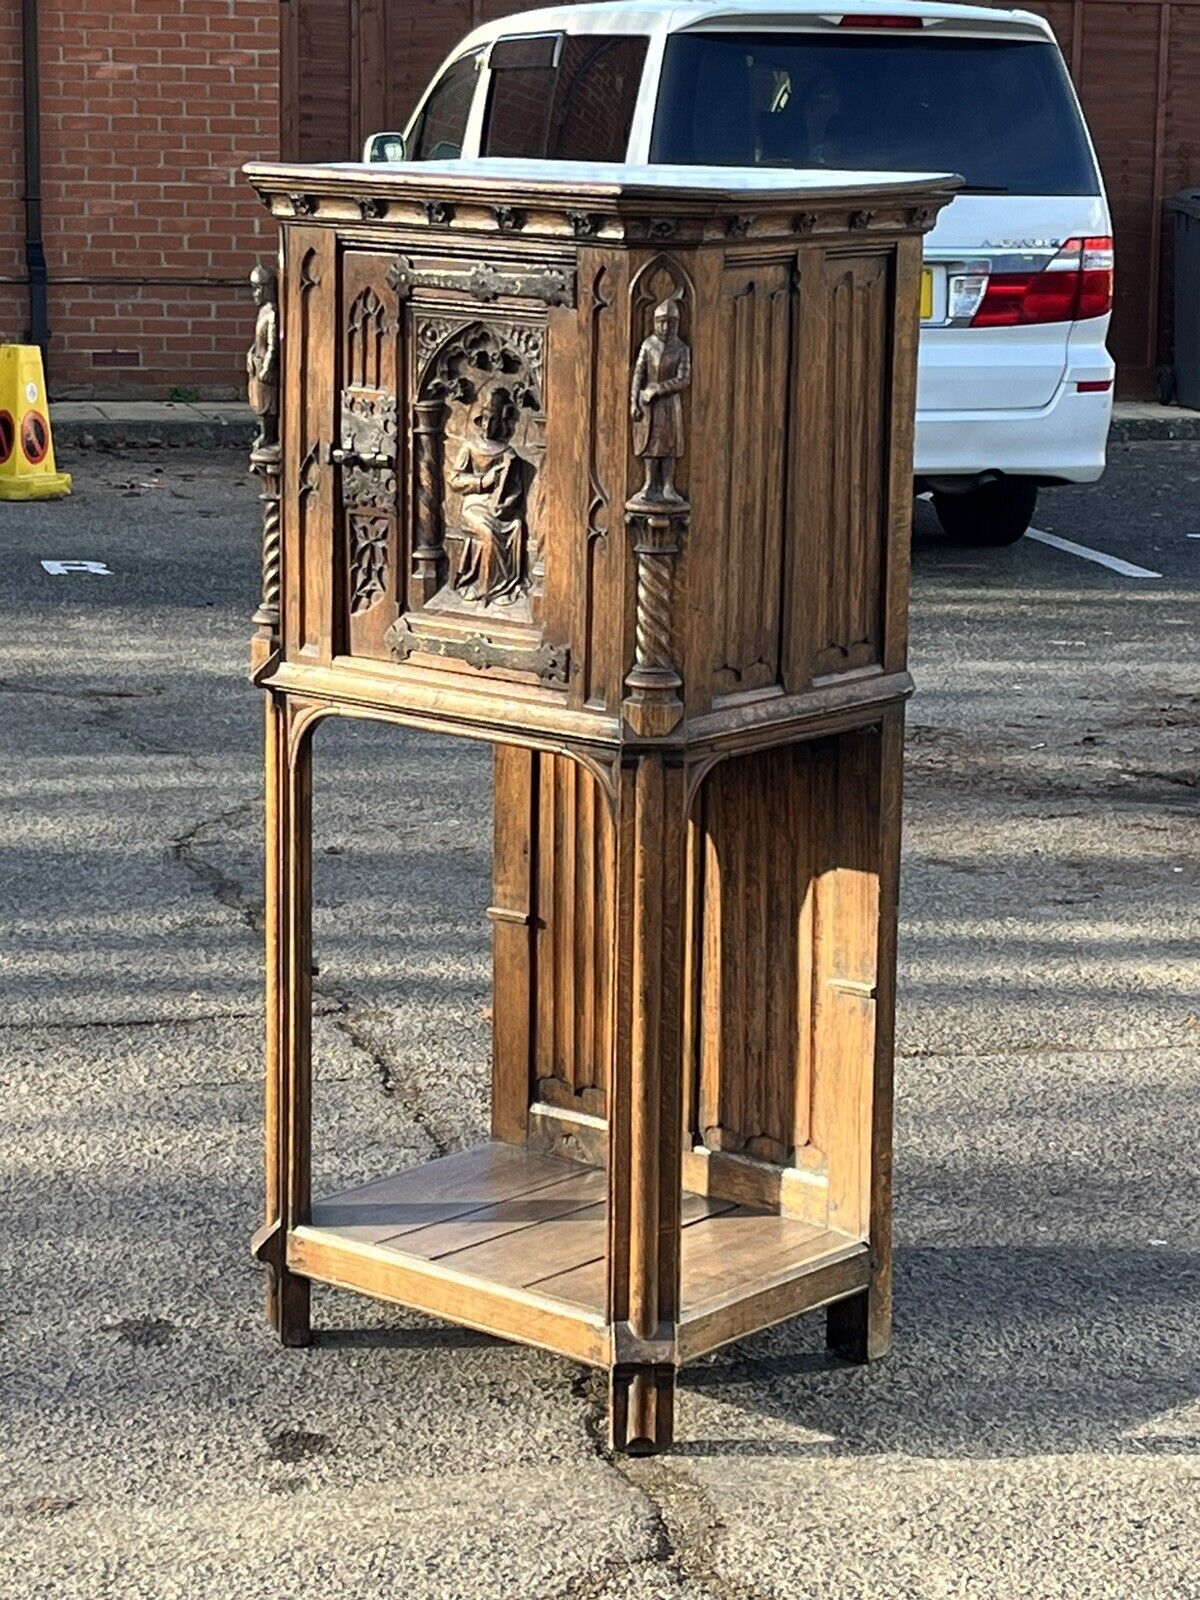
859 1328
288 912
644 1105
291 1297
641 1409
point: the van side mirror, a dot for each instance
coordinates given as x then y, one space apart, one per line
385 147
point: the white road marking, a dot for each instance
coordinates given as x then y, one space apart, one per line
60 569
1100 557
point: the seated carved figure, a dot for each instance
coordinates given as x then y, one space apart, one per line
492 479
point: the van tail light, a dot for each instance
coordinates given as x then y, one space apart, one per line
1075 284
1095 279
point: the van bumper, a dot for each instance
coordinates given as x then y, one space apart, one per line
1062 442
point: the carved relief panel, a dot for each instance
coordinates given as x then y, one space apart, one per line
478 445
487 380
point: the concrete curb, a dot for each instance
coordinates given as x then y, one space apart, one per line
172 433
1135 429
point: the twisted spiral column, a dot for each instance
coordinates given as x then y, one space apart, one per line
265 464
653 704
653 644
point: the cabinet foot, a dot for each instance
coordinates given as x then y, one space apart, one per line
859 1328
288 1308
641 1409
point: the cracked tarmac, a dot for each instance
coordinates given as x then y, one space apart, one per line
1036 1431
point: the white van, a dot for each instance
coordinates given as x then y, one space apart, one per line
1015 386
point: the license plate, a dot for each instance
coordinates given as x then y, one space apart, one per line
926 294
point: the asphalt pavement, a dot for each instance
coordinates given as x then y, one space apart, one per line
1036 1432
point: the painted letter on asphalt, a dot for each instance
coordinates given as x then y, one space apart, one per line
59 569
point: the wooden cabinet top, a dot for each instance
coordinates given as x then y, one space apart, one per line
603 454
586 200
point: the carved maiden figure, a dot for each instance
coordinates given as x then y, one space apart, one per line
662 372
493 480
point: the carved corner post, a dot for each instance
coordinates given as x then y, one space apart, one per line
645 1107
646 1095
287 883
262 373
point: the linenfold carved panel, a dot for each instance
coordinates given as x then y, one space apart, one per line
848 630
786 891
574 901
838 513
753 1085
755 355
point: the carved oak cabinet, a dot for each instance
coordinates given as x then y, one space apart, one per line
610 468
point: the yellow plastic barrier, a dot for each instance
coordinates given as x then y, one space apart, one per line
27 467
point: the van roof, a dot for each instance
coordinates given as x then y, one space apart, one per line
635 16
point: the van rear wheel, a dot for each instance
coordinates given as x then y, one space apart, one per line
995 513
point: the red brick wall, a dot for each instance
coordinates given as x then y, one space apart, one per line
149 109
11 185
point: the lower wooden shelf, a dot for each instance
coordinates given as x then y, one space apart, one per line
513 1243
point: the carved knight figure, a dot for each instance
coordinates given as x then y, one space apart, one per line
662 372
493 480
262 358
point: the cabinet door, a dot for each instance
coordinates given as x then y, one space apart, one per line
370 453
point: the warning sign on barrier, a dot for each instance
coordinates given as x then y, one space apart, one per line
35 437
27 466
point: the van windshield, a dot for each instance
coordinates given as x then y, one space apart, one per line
998 111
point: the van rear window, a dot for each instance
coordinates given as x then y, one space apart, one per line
998 111
575 103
